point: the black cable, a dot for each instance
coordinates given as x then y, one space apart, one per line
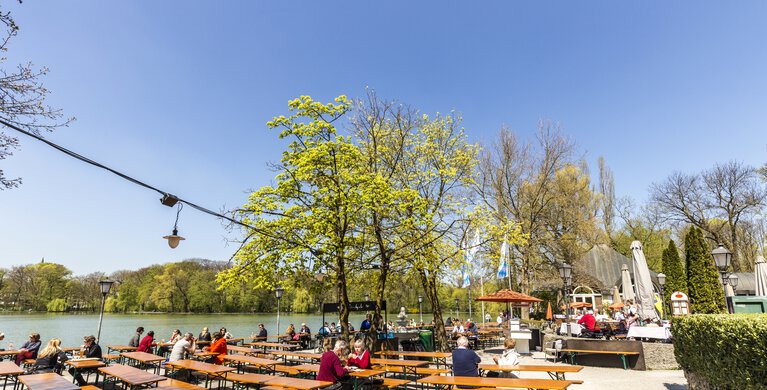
120 174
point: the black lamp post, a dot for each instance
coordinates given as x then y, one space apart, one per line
105 286
722 258
734 283
662 282
278 293
566 273
420 312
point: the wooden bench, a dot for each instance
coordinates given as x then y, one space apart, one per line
390 383
621 354
288 370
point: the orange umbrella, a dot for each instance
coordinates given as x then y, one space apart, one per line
578 305
549 316
507 295
616 306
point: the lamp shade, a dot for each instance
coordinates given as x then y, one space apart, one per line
662 279
420 299
722 257
173 239
733 280
565 271
105 285
278 291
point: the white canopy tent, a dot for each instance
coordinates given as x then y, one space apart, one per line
760 276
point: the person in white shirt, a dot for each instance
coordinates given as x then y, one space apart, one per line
184 345
499 319
509 357
458 329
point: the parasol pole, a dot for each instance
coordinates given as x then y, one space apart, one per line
482 287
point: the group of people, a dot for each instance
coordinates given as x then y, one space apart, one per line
336 363
178 344
52 357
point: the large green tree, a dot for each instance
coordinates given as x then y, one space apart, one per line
705 290
672 268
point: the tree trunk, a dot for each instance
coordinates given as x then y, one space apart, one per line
343 298
430 288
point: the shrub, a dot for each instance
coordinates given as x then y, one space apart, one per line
721 351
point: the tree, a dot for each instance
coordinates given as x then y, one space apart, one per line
672 268
720 201
310 218
22 100
706 294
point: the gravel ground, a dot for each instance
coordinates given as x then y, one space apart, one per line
606 378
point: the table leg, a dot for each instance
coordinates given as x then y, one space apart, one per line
625 363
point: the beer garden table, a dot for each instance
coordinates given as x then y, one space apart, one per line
210 370
408 366
144 359
554 371
132 376
447 382
10 370
51 381
268 364
85 364
439 357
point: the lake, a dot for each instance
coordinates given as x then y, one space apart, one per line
117 329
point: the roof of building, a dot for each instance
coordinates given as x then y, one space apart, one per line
604 263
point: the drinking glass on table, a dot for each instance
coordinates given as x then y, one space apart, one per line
10 346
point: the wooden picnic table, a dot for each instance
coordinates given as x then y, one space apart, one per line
210 370
297 383
132 376
51 381
408 366
120 348
242 350
10 352
205 355
9 370
554 371
305 355
439 357
144 359
85 364
251 360
447 382
266 344
175 384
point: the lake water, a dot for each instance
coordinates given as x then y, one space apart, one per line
117 329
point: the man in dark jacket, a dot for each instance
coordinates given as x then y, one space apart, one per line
465 360
136 339
89 350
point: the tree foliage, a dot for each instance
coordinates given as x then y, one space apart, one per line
672 268
705 290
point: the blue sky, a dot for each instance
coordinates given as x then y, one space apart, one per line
177 93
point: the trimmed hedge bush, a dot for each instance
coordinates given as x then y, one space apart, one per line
721 351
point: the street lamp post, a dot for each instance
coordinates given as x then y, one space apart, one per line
662 282
420 311
278 293
722 258
105 286
565 272
733 279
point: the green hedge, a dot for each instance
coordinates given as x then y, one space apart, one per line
721 351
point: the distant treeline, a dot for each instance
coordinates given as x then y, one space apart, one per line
188 286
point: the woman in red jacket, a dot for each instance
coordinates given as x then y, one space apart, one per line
217 345
360 357
146 343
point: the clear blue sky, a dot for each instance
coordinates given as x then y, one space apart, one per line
177 93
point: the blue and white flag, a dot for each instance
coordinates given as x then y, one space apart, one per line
466 279
471 257
503 266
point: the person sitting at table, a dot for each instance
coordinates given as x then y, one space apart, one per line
509 357
350 327
174 338
2 337
50 359
204 335
360 357
366 325
465 360
588 321
89 350
304 335
457 330
325 330
333 328
218 346
499 319
183 346
632 318
29 349
331 369
146 343
136 339
290 332
226 335
262 333
600 316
